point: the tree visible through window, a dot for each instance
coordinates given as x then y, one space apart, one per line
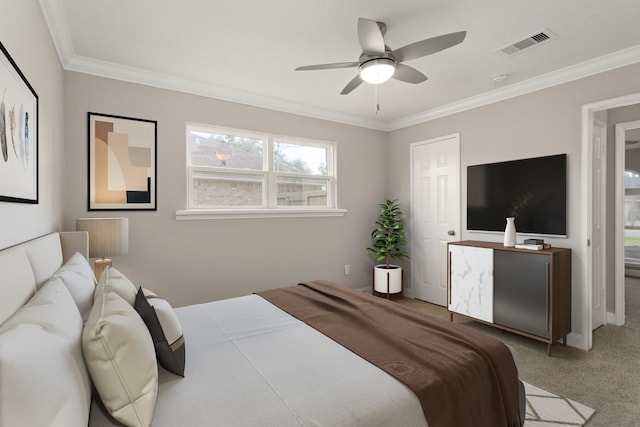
244 170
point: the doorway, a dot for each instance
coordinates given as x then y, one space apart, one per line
627 137
615 298
628 145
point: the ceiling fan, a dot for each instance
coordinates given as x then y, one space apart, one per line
378 63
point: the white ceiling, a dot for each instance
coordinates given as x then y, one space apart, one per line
246 50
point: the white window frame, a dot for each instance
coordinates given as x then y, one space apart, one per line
270 208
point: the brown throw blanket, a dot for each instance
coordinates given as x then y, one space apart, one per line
461 377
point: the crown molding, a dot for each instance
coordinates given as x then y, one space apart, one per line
149 78
584 69
129 74
56 20
55 17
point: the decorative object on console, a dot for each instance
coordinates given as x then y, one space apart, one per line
519 204
107 237
533 241
529 247
18 134
515 208
388 242
510 233
122 163
533 244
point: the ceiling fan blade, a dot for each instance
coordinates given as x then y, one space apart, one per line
428 46
408 74
370 37
329 66
354 83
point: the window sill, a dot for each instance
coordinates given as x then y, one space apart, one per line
199 214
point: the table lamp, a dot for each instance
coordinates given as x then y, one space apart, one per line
107 237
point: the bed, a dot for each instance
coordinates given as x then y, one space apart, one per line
256 360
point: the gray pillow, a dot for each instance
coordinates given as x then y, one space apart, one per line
165 329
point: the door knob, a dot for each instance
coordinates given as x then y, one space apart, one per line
451 233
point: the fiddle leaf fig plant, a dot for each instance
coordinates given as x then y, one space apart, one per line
389 235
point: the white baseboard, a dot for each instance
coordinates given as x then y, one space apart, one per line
574 339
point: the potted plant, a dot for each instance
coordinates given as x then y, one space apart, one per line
388 242
515 208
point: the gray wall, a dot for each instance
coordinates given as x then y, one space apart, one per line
197 261
24 34
540 123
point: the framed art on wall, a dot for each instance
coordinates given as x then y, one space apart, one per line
122 163
18 134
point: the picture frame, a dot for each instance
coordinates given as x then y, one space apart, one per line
122 159
19 149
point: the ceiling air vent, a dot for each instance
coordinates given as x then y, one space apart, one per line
528 42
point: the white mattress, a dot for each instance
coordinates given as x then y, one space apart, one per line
251 364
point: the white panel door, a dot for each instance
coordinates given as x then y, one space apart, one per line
435 214
472 282
598 222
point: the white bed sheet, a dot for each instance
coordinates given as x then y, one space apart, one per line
251 364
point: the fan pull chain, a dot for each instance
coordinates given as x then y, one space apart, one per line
375 88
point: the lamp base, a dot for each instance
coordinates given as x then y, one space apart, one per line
100 265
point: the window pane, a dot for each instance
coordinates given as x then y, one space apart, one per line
212 149
296 158
220 190
302 192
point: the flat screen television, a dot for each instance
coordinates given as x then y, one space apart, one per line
537 187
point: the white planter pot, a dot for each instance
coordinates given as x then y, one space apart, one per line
383 276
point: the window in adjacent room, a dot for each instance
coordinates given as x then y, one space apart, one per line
238 170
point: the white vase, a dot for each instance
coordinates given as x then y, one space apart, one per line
510 233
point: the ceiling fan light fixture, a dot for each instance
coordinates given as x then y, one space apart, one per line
377 71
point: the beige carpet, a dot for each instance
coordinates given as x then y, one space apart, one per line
545 409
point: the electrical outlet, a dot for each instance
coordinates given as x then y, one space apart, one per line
347 269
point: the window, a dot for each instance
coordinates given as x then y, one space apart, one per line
237 171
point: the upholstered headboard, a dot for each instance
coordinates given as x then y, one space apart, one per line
27 266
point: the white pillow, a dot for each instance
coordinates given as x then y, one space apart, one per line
165 329
17 273
43 378
77 276
120 356
54 309
118 283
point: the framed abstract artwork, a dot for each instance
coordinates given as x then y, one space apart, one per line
122 163
18 134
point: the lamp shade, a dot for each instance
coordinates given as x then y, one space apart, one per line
377 70
107 236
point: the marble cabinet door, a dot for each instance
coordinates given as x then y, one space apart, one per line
471 281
